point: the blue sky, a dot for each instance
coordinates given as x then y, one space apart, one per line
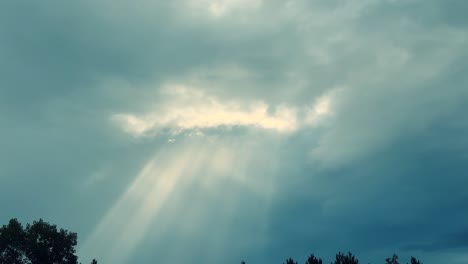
211 131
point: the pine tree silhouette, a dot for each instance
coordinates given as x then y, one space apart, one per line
346 259
290 261
415 261
313 260
392 260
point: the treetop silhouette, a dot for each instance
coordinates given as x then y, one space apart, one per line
290 261
345 259
41 243
38 243
313 260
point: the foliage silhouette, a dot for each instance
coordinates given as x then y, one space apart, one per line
37 243
313 260
345 259
392 260
41 243
290 261
415 261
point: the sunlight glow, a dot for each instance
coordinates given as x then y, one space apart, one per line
190 109
322 108
201 165
220 8
127 221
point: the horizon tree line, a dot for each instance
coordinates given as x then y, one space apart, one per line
42 243
341 258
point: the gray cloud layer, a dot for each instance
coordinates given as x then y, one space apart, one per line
384 172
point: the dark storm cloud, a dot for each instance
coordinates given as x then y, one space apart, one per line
409 195
385 173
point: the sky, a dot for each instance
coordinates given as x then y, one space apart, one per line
215 131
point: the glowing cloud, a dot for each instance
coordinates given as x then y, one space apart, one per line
191 109
324 107
219 8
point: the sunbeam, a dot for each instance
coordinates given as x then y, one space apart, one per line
213 212
127 221
187 177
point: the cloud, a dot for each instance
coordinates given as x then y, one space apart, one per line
348 115
186 108
221 8
322 108
189 109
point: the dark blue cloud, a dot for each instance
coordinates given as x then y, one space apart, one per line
385 172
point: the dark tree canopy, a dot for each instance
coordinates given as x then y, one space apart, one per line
415 261
346 259
42 243
392 260
290 261
37 243
12 241
313 260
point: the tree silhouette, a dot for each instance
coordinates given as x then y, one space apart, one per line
415 261
392 260
313 260
12 239
42 243
38 243
290 261
346 259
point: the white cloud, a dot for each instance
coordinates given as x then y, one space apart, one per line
191 109
219 8
322 108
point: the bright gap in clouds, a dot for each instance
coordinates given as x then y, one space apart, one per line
220 8
198 164
189 108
